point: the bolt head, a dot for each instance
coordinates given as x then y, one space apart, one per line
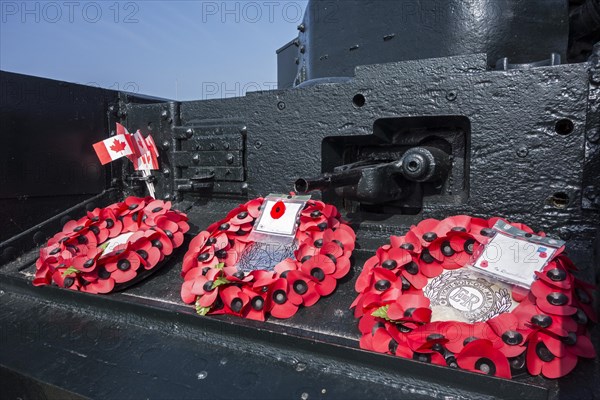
522 151
590 193
593 136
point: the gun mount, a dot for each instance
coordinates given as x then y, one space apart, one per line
378 182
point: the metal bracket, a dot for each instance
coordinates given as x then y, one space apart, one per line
210 157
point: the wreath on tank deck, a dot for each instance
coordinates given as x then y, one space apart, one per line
113 247
213 282
544 334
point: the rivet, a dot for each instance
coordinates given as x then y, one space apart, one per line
522 152
593 136
590 192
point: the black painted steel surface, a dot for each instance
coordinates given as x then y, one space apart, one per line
523 143
338 35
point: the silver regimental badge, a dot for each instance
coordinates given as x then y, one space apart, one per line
463 295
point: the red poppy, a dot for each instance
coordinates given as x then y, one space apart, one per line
531 317
302 288
583 299
234 299
124 266
171 229
133 205
278 302
149 255
414 272
545 360
86 262
410 308
65 279
552 300
454 250
74 227
508 338
256 308
278 210
201 289
364 279
253 207
160 240
481 356
102 282
321 268
155 209
410 242
459 334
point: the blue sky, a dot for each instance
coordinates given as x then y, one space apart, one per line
184 50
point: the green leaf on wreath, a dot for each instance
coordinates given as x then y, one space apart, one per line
202 310
381 312
219 281
70 270
199 309
220 266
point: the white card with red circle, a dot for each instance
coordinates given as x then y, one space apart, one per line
513 255
278 221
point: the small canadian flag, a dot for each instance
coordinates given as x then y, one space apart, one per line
113 148
148 158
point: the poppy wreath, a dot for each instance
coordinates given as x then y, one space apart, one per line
544 334
74 258
215 285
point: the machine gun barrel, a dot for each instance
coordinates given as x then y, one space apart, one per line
328 180
374 182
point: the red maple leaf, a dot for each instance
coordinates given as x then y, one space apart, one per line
117 146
